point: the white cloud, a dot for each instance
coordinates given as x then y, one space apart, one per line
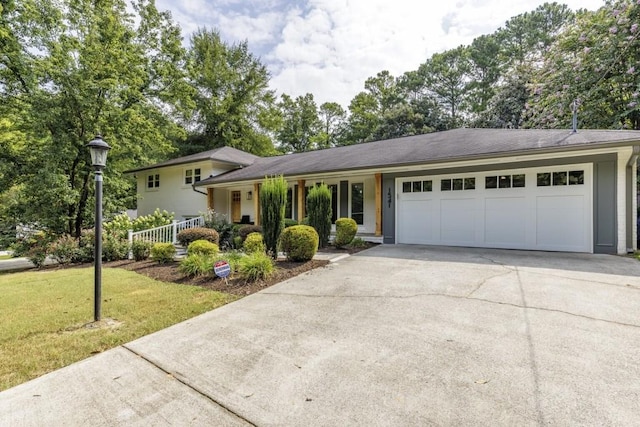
330 47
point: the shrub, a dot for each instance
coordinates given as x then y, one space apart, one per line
196 265
357 242
185 237
163 253
141 249
121 224
64 250
245 230
237 242
319 211
288 222
86 245
114 248
202 247
34 246
256 266
273 201
221 224
254 243
299 242
346 229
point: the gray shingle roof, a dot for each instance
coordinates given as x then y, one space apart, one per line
223 154
444 146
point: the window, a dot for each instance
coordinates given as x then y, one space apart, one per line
191 176
357 203
153 181
457 184
505 181
546 179
417 186
288 210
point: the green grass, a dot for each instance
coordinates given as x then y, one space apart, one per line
43 313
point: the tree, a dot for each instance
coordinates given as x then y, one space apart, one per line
594 63
484 70
319 208
333 118
70 69
273 200
447 75
301 127
233 105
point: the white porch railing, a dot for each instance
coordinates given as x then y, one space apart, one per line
164 233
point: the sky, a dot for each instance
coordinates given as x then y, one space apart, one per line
330 47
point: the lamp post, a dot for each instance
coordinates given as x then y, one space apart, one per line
98 149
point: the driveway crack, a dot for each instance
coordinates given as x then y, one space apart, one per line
197 390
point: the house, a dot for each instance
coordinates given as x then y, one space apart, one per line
555 190
170 185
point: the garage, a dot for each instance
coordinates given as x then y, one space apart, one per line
542 208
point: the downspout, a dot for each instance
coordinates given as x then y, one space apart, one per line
193 187
632 200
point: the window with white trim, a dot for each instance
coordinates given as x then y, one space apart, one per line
153 181
191 176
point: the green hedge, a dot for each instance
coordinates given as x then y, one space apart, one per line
346 229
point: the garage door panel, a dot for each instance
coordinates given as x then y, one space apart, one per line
458 219
560 222
505 221
416 219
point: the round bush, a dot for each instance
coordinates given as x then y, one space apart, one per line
346 229
254 243
141 249
185 237
163 253
245 230
202 247
299 242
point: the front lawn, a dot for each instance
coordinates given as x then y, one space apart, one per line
44 316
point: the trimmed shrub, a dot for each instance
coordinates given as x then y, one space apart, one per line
299 243
64 250
163 253
319 211
141 249
254 243
288 222
202 247
196 265
346 229
257 266
245 230
273 201
185 237
114 248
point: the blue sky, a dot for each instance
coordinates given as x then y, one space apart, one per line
330 47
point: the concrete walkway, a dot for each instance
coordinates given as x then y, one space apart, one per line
395 335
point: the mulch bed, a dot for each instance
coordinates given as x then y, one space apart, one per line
233 285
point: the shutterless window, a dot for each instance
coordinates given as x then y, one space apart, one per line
191 176
357 203
576 177
153 181
544 179
427 186
406 187
445 185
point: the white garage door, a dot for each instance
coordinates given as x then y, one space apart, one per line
540 208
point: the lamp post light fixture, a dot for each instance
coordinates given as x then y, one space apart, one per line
98 149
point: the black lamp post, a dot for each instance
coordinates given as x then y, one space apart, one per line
98 149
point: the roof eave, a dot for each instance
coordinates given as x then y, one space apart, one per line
535 151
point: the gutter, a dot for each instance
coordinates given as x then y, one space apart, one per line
193 187
634 156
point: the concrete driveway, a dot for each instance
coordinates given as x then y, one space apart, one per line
396 335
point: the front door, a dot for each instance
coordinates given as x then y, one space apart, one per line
236 210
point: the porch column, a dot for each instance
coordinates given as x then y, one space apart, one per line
301 201
256 203
210 199
378 204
